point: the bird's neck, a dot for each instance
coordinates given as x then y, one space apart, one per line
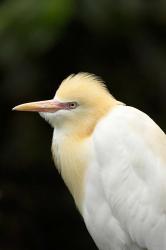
72 156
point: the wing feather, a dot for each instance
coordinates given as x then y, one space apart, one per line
131 151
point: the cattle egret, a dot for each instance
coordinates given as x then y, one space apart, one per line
112 158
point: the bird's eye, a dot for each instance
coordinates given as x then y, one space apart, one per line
72 105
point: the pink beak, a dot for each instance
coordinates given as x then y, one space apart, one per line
41 106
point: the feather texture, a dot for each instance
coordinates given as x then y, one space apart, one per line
130 169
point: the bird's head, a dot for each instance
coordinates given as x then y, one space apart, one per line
80 101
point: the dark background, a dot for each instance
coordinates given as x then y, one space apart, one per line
42 42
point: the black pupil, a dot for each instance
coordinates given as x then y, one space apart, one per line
72 105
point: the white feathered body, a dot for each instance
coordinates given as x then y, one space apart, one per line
125 186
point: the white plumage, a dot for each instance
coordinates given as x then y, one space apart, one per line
112 157
125 205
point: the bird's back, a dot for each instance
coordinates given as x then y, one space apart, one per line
125 201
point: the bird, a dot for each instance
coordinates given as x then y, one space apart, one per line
112 157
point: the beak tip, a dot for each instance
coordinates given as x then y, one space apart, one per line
14 109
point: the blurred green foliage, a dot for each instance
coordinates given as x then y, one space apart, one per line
31 26
41 42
